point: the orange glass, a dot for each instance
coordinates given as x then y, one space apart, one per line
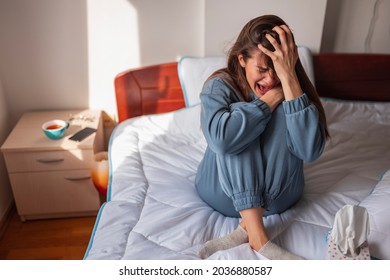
99 172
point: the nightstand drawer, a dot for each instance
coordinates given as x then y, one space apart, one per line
51 178
54 192
48 161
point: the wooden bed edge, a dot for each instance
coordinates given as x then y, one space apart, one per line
156 89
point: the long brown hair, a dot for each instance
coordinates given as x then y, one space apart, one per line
251 35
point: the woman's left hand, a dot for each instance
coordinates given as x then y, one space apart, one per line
285 55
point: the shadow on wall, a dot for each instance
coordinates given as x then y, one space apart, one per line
332 16
356 27
6 197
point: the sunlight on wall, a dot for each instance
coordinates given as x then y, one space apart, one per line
113 46
305 17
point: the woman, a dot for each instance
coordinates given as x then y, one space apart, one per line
262 118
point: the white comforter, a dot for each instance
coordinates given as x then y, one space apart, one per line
154 212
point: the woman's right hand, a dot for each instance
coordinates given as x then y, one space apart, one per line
273 97
285 55
284 59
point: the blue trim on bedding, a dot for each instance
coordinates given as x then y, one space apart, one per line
108 195
380 178
180 74
94 230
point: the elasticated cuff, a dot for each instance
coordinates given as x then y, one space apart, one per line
296 105
262 106
247 199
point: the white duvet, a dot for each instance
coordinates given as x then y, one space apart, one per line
154 212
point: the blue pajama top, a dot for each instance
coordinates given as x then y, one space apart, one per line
254 156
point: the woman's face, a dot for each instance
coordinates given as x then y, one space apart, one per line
260 77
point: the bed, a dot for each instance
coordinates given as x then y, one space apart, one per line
153 210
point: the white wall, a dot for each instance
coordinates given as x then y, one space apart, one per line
125 34
65 53
225 18
43 55
169 29
348 24
43 63
5 187
113 46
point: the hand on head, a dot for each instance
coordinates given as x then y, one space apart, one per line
285 54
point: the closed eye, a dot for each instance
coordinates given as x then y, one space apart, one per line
263 69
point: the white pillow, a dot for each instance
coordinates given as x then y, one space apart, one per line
194 71
306 58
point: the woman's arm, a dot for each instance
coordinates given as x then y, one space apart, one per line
230 126
305 134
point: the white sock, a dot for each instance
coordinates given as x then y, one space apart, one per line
233 239
273 252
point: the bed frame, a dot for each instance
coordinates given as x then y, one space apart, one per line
156 89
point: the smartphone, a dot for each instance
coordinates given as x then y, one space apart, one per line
82 134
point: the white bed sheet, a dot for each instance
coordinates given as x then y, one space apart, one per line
154 212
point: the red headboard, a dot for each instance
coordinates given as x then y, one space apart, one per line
148 90
353 76
156 89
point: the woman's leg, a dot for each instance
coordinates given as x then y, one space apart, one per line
252 222
235 180
233 239
241 177
250 229
209 188
258 238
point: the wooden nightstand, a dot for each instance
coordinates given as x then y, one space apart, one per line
51 178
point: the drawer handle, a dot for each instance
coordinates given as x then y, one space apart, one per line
78 178
50 160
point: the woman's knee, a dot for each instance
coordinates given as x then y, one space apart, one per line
285 200
217 199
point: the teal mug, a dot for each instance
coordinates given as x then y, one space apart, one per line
55 129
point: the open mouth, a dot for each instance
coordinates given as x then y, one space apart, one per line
263 89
